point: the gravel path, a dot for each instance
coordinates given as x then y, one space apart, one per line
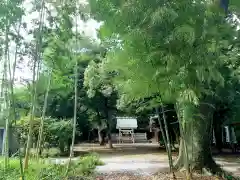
133 165
146 166
141 162
230 166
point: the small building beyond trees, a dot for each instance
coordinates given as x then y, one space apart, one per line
13 141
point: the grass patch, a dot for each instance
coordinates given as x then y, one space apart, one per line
83 167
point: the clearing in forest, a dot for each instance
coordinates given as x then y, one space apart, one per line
144 161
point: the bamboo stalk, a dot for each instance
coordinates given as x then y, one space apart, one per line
12 92
168 143
40 135
75 105
165 139
6 97
12 75
182 134
33 99
34 90
74 118
161 128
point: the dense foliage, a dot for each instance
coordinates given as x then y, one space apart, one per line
185 53
57 133
148 55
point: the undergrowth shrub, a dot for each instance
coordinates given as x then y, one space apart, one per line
86 165
44 170
46 152
51 152
58 131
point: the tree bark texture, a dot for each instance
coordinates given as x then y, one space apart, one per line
101 137
109 136
218 137
196 122
108 119
217 126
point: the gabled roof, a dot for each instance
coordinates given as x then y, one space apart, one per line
126 123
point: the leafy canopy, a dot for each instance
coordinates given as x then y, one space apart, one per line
170 48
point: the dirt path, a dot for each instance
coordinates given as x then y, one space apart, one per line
145 165
147 159
230 164
142 161
149 164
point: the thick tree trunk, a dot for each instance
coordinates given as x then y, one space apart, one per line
177 138
109 136
156 135
109 140
101 137
218 137
108 121
62 147
197 129
217 126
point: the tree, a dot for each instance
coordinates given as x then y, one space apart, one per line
10 20
99 83
173 49
36 70
96 119
40 135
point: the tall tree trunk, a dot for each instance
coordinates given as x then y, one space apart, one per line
197 127
30 131
12 77
161 128
62 147
34 90
217 126
6 97
100 137
109 136
165 136
169 150
110 145
71 154
74 117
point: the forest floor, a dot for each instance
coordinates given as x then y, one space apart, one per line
145 161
